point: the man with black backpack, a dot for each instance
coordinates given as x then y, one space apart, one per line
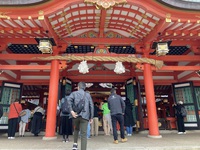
82 110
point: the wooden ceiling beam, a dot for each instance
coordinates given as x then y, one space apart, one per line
98 41
176 58
7 76
159 28
190 75
26 67
102 23
48 29
172 68
32 73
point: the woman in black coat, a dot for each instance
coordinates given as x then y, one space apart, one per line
180 118
128 117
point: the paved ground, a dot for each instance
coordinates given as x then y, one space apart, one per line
169 141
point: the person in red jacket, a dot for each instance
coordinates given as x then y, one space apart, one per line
15 109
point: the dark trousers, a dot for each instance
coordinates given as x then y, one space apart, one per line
12 126
36 123
180 122
80 125
66 126
120 119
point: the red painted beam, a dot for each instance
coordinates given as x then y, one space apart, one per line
92 78
172 68
102 23
185 78
195 58
7 76
26 67
159 28
34 82
101 41
23 57
32 73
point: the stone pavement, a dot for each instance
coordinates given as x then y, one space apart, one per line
170 141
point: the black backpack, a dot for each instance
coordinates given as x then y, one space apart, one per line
64 107
183 112
1 110
79 107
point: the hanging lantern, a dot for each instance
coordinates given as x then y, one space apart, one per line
162 49
45 46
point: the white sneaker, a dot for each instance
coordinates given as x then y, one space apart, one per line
180 132
12 138
9 138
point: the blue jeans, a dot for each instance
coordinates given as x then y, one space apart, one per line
129 129
120 119
88 130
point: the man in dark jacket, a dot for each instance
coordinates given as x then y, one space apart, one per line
117 107
81 120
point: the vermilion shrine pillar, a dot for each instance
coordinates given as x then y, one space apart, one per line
151 103
52 101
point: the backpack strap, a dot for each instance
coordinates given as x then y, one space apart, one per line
16 109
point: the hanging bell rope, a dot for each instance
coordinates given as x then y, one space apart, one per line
157 63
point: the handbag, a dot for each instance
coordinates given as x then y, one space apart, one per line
19 117
64 107
79 107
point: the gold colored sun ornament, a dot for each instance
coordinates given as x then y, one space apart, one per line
106 4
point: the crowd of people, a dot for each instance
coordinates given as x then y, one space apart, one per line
21 116
112 113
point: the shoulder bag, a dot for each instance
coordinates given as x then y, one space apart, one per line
19 117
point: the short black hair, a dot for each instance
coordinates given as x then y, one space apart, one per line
67 92
82 85
112 90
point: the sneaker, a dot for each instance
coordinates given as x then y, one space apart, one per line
180 133
75 146
63 140
12 138
9 138
124 140
67 140
116 141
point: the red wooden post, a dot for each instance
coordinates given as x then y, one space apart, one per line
151 103
52 101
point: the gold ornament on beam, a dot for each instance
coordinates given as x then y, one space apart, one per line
106 4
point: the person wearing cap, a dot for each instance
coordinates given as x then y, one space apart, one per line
117 108
180 118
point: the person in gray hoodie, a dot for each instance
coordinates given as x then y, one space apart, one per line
81 120
117 108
